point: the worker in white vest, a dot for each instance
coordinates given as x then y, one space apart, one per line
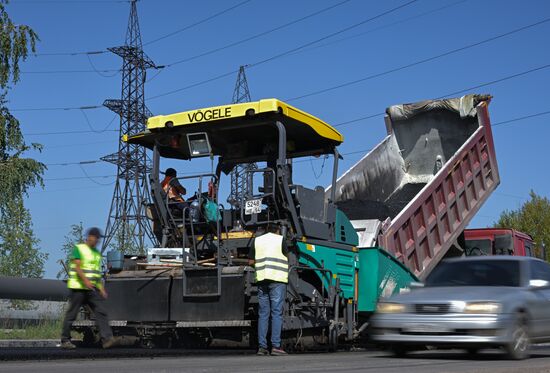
269 255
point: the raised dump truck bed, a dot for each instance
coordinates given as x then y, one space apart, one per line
417 190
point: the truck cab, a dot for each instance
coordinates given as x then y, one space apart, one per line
500 241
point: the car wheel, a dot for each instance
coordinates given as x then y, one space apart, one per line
472 351
518 347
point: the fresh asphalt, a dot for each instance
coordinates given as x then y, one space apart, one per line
46 360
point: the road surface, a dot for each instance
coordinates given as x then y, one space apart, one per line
93 361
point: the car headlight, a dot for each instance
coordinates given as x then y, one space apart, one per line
482 307
387 307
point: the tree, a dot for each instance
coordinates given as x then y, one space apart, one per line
75 236
19 251
19 256
533 218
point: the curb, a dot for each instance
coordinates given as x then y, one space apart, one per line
28 343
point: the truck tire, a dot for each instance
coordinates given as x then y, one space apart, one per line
519 346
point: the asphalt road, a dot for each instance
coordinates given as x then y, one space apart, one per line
93 361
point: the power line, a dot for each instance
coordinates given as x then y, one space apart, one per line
65 1
481 85
364 151
91 178
198 22
89 53
230 45
321 158
105 129
359 119
78 177
71 145
378 28
341 31
256 36
116 71
521 118
419 62
357 80
500 80
62 133
67 189
89 107
371 116
509 195
230 73
103 51
326 89
74 163
212 51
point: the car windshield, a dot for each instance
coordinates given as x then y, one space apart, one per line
476 273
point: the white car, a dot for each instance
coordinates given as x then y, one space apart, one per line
471 303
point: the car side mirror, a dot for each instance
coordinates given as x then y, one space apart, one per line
538 284
416 285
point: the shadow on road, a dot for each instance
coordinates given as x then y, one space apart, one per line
461 355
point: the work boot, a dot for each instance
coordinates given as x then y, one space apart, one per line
278 352
262 352
111 342
67 345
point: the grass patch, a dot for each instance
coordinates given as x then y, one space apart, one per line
44 329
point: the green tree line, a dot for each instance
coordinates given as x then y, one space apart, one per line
20 254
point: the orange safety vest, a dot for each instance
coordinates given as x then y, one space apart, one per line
170 190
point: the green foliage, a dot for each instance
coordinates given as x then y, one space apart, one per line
19 252
533 218
44 329
16 41
17 174
75 236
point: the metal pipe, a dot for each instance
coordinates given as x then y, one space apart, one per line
282 177
334 175
282 143
33 289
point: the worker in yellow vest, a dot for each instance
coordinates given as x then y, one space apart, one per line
86 285
271 265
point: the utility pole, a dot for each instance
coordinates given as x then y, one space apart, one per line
127 223
239 175
241 93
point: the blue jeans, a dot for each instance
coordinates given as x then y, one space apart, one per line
271 300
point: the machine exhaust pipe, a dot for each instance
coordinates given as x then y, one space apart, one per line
33 289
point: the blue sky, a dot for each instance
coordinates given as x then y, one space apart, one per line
415 32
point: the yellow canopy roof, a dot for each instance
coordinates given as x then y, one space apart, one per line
240 131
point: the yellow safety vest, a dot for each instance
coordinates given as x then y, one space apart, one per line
270 262
90 263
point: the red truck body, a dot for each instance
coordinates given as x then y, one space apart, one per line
424 182
499 241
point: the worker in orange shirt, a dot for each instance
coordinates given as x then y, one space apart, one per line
173 189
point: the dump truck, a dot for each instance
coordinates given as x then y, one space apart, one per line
383 224
415 192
